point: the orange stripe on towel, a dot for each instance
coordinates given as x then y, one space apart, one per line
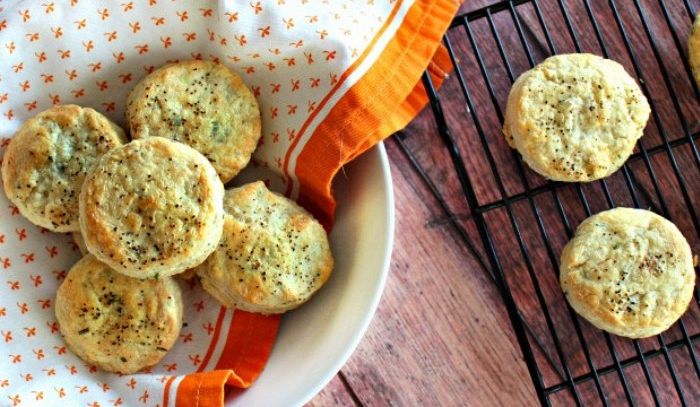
334 89
383 101
166 391
202 389
248 345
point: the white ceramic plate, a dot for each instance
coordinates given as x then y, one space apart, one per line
317 339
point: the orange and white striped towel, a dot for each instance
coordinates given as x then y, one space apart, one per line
332 79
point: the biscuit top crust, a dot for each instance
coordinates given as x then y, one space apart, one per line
150 203
202 104
575 117
694 49
298 260
273 254
48 159
630 269
120 322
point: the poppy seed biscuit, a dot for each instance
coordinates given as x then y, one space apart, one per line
575 117
48 158
273 255
119 323
629 272
153 207
186 275
694 49
202 104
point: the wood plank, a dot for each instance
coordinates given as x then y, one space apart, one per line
336 393
441 335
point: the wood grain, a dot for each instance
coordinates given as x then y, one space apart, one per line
336 393
440 335
441 328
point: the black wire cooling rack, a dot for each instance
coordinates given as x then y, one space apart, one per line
516 222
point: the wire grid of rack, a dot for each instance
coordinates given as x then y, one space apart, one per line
516 223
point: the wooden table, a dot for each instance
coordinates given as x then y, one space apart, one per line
441 332
441 335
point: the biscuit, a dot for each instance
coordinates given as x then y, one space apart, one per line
629 272
272 257
575 117
152 207
79 242
118 323
202 104
186 275
694 49
47 160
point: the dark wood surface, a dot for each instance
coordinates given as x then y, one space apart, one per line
441 335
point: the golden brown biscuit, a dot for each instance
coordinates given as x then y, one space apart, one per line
186 275
575 117
628 272
273 255
118 323
202 104
47 160
694 49
152 207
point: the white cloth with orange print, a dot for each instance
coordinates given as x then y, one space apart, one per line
291 53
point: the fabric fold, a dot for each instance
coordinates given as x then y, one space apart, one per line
249 342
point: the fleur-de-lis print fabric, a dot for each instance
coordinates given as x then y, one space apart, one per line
308 63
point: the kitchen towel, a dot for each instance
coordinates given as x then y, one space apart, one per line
332 79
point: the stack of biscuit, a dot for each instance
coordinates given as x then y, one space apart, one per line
577 118
145 210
